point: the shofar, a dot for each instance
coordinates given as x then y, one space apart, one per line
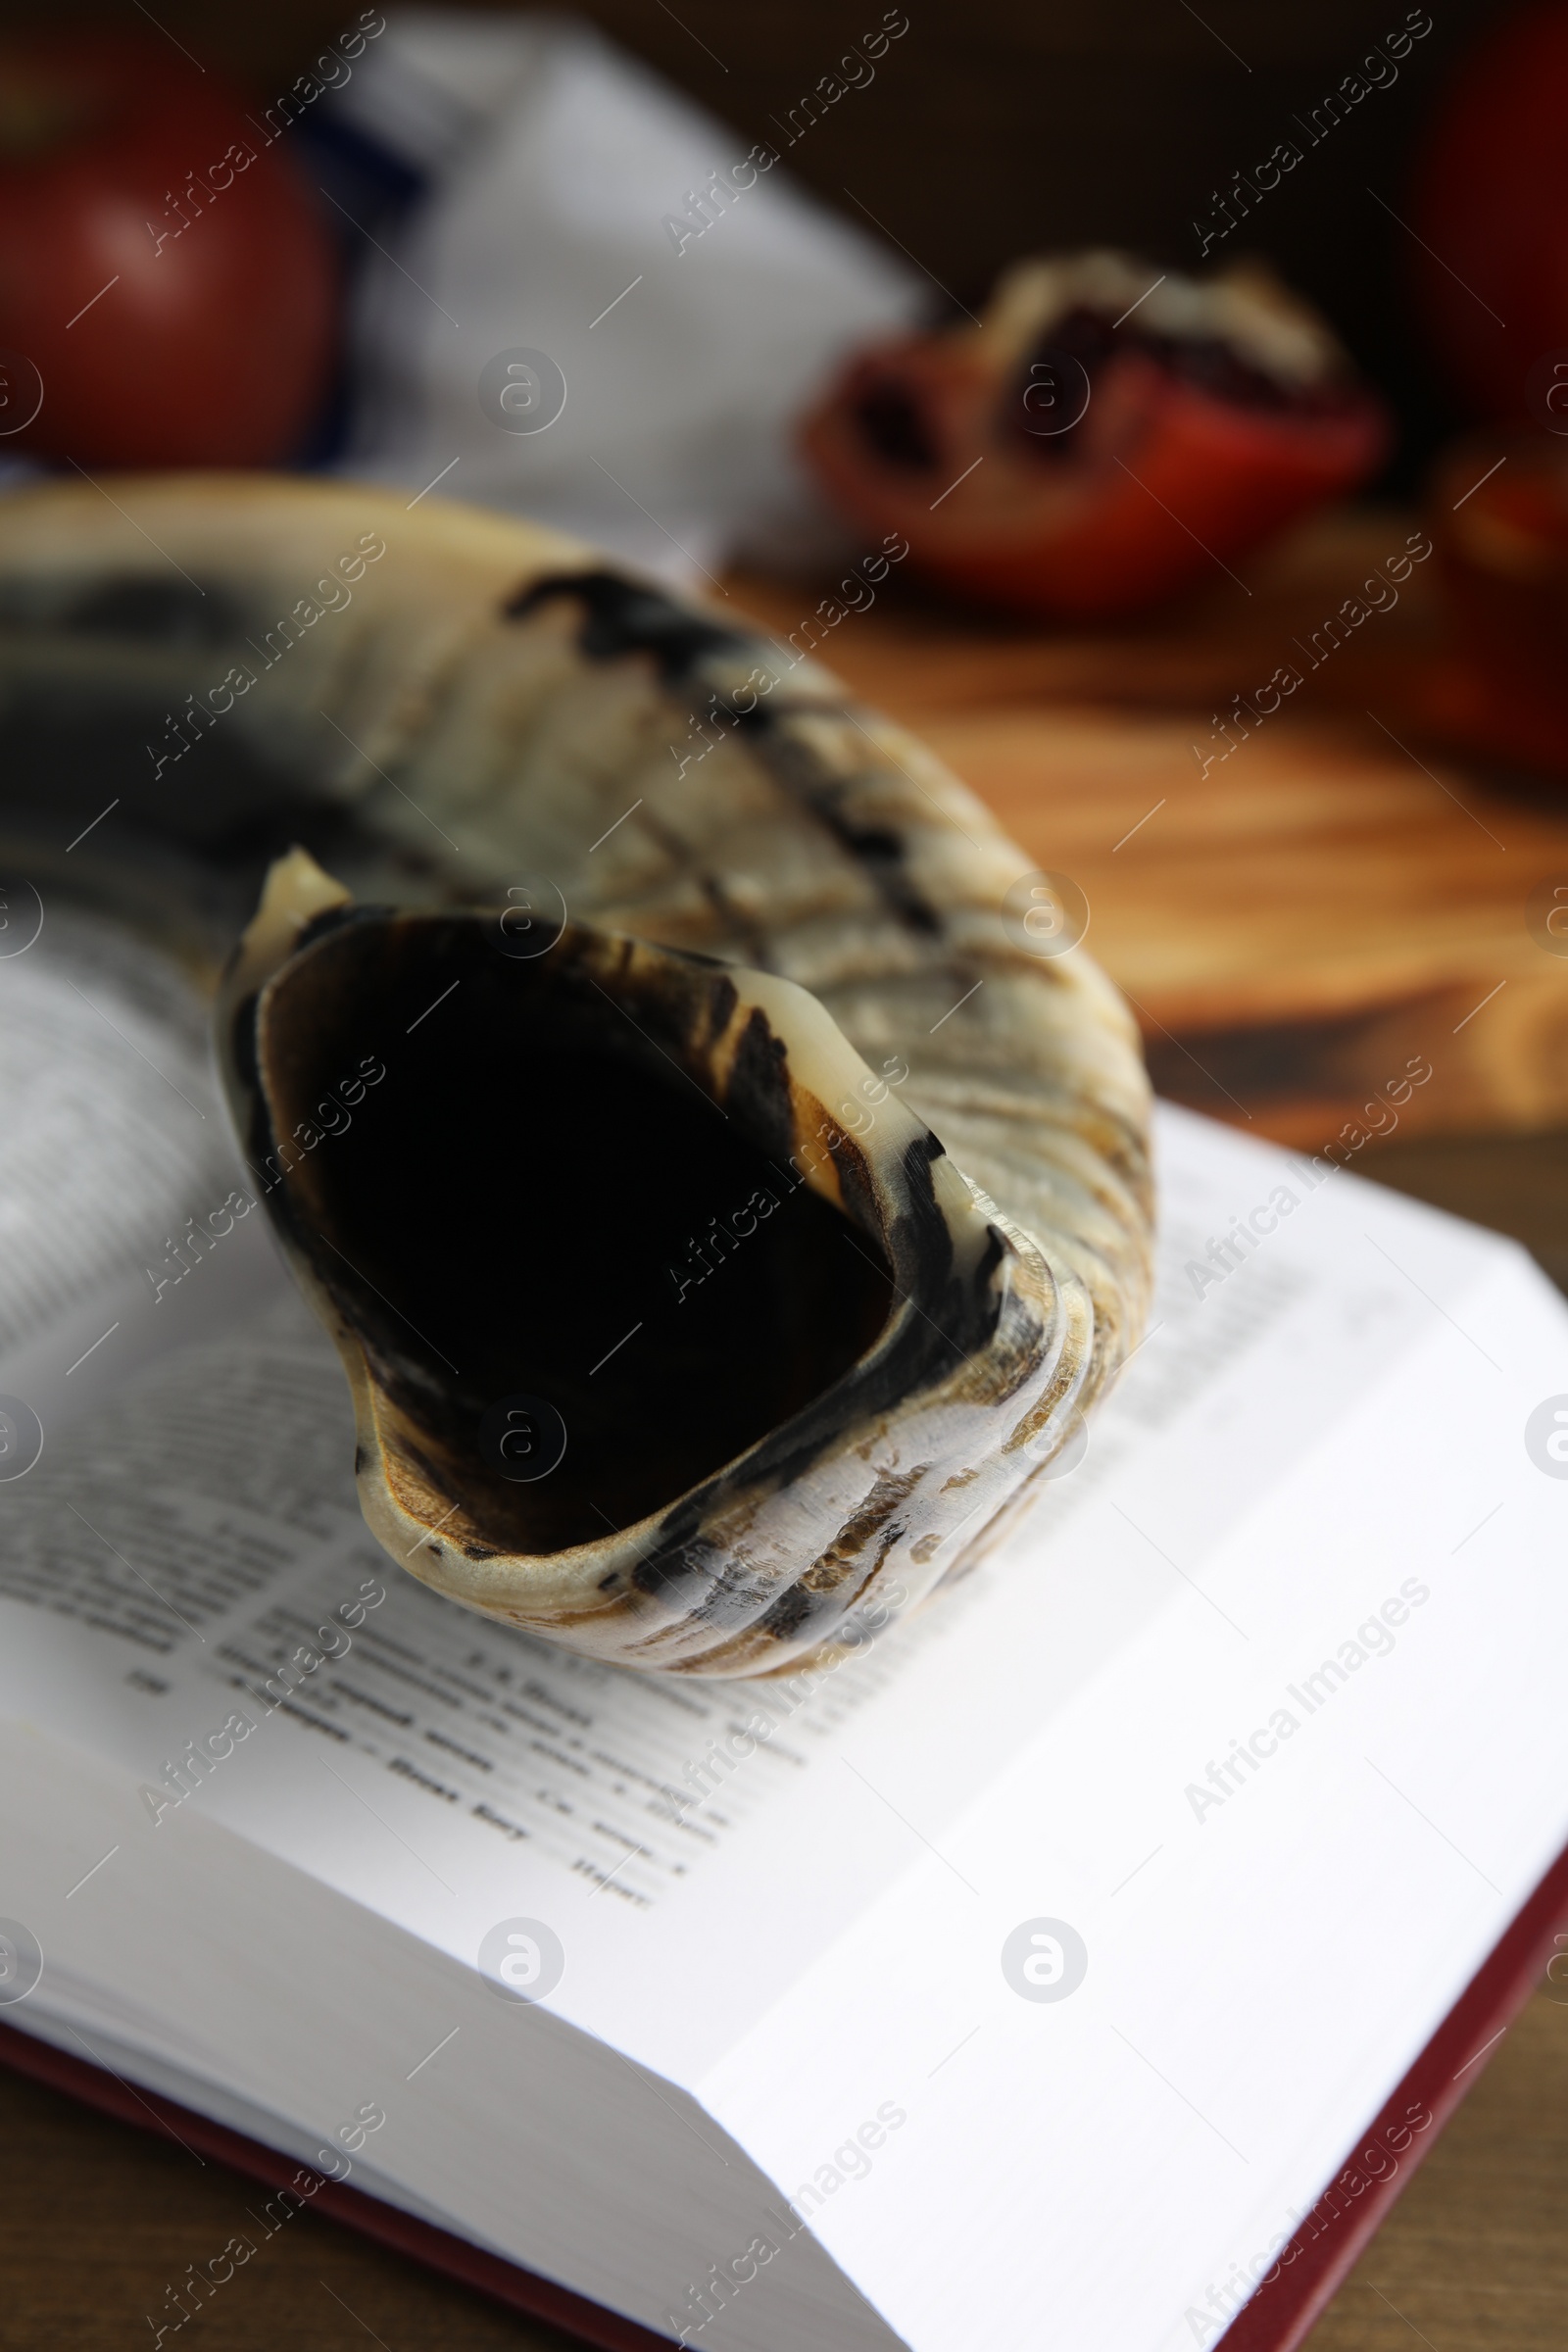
721 1209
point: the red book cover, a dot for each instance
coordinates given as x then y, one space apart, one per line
1283 2306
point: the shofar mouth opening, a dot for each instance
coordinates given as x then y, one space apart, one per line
673 1336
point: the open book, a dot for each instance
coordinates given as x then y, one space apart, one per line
1049 1955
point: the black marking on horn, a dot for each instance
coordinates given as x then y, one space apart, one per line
623 617
759 1091
876 848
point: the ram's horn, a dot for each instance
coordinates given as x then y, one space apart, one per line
666 1323
675 1332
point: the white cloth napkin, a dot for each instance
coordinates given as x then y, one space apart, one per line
560 216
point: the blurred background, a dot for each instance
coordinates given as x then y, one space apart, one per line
1028 127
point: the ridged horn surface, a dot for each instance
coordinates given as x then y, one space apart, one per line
779 964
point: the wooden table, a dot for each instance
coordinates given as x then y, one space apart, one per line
1294 921
1292 925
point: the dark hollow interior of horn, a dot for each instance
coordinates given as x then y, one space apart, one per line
538 1199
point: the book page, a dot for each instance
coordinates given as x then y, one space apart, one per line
115 1153
110 1118
191 1591
1251 1865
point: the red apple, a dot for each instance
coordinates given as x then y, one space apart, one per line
162 268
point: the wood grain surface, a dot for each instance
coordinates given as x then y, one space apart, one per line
1329 897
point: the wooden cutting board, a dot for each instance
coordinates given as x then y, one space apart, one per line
1325 903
